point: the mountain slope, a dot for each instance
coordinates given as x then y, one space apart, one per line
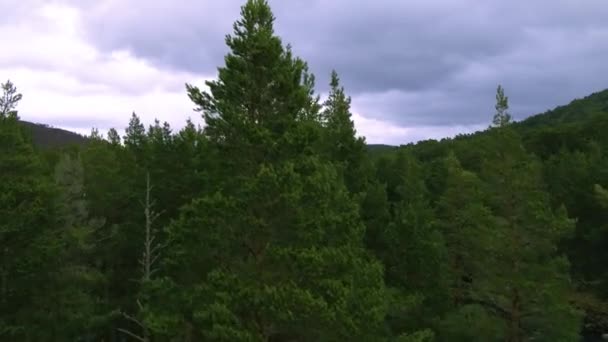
48 137
576 111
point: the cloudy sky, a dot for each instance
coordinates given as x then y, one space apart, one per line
415 69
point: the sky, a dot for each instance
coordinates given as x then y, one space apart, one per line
414 69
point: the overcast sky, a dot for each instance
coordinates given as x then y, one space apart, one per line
415 69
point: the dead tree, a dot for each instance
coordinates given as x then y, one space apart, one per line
150 255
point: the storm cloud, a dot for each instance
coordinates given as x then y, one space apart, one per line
410 66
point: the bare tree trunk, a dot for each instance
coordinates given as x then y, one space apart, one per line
149 257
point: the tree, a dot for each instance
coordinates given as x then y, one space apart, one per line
135 139
112 190
502 116
70 295
148 262
26 227
113 137
529 283
9 100
464 220
277 241
340 142
259 96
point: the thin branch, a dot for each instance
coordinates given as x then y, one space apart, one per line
125 331
133 319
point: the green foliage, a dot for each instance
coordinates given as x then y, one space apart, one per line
275 222
465 221
293 263
26 251
9 100
339 139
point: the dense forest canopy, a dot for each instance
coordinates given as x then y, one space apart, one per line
276 222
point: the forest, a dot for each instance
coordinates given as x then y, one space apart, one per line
274 221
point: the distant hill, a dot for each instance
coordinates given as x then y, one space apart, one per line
45 136
379 147
576 111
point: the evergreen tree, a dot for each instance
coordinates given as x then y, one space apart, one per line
111 187
113 137
260 94
278 248
71 294
411 248
26 227
9 100
502 116
136 140
464 220
530 283
340 141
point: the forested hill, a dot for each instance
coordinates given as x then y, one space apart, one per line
272 223
48 137
576 111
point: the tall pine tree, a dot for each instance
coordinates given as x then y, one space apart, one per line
530 283
279 249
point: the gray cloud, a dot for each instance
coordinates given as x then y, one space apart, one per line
433 62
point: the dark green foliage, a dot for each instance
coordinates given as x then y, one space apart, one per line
339 139
26 251
275 222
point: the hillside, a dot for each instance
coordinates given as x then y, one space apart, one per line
49 137
576 111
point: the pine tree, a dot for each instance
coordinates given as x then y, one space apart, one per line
113 191
113 137
412 249
530 283
340 142
136 140
502 117
278 248
26 227
260 94
9 100
70 295
464 220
